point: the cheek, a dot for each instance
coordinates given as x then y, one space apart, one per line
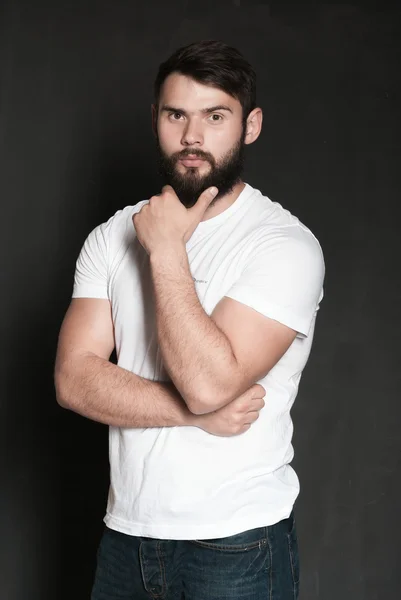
219 143
169 136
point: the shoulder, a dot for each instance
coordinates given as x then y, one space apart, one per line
119 226
123 216
296 241
291 240
281 242
114 235
278 227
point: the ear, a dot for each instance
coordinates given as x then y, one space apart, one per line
154 118
253 125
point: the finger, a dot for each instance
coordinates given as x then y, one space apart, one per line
203 202
251 417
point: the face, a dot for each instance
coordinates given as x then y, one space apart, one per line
200 138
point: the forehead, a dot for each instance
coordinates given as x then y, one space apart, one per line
186 93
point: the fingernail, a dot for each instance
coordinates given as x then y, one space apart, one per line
213 191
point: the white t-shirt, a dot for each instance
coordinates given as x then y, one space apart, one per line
182 482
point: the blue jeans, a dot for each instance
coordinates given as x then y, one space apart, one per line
259 564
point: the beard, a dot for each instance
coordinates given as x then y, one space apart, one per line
188 186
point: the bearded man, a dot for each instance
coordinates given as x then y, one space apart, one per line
208 292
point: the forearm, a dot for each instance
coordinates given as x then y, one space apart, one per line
196 353
99 390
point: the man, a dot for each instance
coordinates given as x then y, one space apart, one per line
210 298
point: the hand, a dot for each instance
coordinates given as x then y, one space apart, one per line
165 221
237 416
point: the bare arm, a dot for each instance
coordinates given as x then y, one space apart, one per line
88 384
212 360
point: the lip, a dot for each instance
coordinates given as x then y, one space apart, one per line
192 162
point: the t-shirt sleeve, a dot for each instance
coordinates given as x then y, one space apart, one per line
90 279
283 279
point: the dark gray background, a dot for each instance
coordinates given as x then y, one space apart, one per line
76 145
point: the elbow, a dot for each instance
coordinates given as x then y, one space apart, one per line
192 401
217 392
199 409
208 401
61 401
62 397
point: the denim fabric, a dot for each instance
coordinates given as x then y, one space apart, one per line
259 564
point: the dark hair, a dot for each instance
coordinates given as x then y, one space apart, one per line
216 64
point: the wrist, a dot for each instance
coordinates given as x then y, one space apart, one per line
196 420
168 252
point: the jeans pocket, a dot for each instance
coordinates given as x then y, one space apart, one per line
240 542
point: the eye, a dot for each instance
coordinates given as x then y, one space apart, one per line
216 118
176 116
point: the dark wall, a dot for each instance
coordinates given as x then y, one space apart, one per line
76 145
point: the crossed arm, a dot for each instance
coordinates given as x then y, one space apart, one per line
211 360
88 383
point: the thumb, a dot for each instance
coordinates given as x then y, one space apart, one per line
203 202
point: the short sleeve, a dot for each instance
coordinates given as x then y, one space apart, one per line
90 280
283 278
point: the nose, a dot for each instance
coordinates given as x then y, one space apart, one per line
192 134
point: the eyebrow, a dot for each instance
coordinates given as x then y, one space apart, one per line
205 111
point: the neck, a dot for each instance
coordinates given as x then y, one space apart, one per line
224 202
